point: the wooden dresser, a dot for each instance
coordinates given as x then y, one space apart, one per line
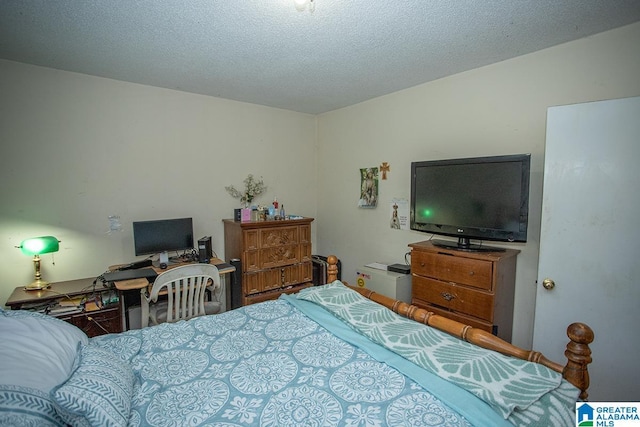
476 288
275 256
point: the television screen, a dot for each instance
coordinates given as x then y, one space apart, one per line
152 237
484 198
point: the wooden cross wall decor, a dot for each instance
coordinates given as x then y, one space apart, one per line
384 168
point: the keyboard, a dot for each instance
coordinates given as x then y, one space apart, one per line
116 276
136 265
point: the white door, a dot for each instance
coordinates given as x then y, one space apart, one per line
590 241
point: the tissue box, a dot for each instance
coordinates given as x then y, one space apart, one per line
245 215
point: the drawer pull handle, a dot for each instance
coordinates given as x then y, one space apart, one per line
447 296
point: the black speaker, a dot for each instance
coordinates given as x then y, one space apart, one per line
234 297
320 266
204 249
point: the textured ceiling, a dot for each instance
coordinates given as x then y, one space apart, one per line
266 52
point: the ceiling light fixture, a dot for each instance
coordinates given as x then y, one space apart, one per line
301 5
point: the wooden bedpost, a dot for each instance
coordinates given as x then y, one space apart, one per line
332 270
578 357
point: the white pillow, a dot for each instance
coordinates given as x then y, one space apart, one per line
37 351
99 391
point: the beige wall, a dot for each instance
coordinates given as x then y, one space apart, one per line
76 149
494 110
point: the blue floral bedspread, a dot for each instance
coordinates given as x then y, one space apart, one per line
287 362
270 365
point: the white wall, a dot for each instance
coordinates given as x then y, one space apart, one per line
76 149
494 110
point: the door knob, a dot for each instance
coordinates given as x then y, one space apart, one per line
548 284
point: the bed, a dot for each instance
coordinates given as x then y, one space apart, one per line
330 355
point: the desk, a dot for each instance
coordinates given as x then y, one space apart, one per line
107 319
129 290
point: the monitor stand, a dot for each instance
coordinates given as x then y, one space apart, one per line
163 260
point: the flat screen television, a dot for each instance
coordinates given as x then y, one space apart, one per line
162 236
481 198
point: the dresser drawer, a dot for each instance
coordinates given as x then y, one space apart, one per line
472 272
271 295
271 237
277 278
251 240
305 233
305 252
94 323
251 283
277 256
454 297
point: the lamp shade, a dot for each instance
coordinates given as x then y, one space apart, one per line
40 245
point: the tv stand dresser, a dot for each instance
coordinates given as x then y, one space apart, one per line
275 256
475 288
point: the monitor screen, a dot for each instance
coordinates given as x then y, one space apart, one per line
152 237
484 198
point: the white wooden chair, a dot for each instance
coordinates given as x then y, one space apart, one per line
185 288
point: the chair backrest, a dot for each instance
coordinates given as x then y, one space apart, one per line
185 289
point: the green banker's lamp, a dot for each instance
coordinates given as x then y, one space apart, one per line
36 247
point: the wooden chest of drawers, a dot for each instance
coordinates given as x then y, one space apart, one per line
476 288
275 256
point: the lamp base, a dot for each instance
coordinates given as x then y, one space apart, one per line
37 285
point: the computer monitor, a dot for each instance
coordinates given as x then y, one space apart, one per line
162 236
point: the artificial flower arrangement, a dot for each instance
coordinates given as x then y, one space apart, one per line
252 189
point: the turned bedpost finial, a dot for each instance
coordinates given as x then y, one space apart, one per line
332 270
578 356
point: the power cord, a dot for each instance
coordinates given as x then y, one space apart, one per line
101 278
91 319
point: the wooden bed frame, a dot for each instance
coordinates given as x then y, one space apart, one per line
578 352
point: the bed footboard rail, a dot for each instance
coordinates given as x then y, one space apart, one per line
577 352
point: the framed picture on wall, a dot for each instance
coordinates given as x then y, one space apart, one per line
368 188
